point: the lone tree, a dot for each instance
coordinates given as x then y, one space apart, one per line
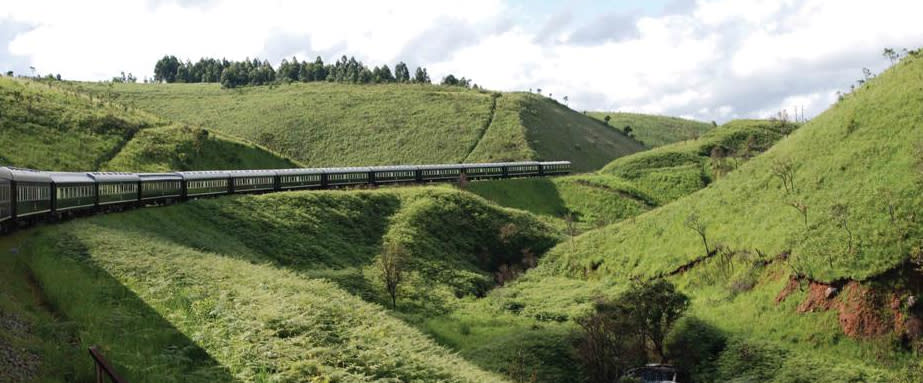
607 118
618 335
890 54
392 265
695 223
840 213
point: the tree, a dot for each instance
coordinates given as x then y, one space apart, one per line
627 129
655 306
9 73
607 119
565 100
615 338
450 80
840 214
165 69
392 264
386 75
890 54
401 73
420 76
696 224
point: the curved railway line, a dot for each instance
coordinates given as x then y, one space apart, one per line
28 196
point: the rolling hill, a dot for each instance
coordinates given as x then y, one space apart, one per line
45 126
653 130
325 124
810 263
260 288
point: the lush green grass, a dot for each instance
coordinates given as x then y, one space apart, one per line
267 288
175 148
672 171
654 130
322 124
864 153
44 127
558 133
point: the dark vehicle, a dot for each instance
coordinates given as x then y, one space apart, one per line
29 195
654 373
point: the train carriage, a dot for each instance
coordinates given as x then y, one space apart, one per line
72 191
290 179
521 169
555 168
204 183
392 174
444 172
346 176
247 181
115 188
31 193
157 187
6 199
483 171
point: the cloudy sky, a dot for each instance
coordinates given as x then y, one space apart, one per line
710 60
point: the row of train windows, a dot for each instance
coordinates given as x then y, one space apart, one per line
395 174
207 184
72 192
348 176
301 179
162 186
441 171
30 193
484 170
4 193
117 189
253 181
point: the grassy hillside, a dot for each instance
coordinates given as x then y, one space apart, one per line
828 289
655 131
323 124
672 171
262 288
638 182
46 127
173 148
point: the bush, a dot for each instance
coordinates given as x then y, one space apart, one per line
693 346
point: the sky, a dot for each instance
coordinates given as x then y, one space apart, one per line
712 60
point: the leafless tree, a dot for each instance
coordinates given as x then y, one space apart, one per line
695 223
392 265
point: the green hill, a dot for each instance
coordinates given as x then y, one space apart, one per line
652 130
810 281
45 126
260 288
325 124
639 182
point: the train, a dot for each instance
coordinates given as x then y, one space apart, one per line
28 196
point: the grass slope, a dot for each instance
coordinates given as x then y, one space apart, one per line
323 124
853 166
267 288
638 182
177 148
655 131
46 126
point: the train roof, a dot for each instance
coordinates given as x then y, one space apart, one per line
299 171
70 178
555 163
204 174
114 177
346 170
251 173
24 175
160 177
393 168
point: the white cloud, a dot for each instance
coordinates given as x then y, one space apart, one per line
722 59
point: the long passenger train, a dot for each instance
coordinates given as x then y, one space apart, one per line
27 196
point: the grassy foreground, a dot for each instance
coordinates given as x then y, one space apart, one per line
270 288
